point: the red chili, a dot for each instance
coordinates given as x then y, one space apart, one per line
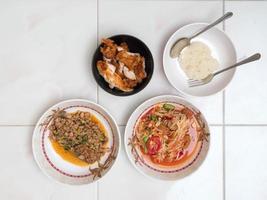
180 154
153 145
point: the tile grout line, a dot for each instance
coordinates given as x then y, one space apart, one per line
97 42
223 121
244 0
97 88
226 125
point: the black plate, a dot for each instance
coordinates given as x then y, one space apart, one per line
135 46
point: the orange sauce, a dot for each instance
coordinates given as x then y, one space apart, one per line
68 155
99 124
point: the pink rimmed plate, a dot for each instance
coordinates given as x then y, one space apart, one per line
143 163
55 166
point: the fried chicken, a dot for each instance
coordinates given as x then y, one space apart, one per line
119 67
109 49
108 72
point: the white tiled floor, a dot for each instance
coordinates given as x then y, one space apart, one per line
127 183
45 53
21 177
246 163
46 49
246 95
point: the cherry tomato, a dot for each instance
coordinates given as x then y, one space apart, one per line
153 145
180 154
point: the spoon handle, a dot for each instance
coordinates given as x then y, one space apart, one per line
224 17
252 58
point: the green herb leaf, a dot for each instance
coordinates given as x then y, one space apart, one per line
66 147
168 107
154 118
145 138
84 139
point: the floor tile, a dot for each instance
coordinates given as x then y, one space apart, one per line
126 182
158 0
246 163
154 28
45 56
246 95
22 179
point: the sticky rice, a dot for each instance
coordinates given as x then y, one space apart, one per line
197 62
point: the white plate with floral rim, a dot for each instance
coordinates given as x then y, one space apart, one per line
63 170
144 157
222 49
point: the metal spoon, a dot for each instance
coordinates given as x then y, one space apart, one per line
185 41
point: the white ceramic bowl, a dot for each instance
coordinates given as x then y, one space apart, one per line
154 171
222 49
53 164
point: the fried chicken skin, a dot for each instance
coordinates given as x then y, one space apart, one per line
109 48
107 71
134 62
119 67
124 46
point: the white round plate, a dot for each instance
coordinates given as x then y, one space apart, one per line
54 165
146 167
222 49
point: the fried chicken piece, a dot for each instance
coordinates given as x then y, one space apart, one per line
130 83
131 60
134 62
124 46
109 48
119 67
139 70
107 71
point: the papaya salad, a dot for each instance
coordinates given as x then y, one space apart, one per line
168 133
